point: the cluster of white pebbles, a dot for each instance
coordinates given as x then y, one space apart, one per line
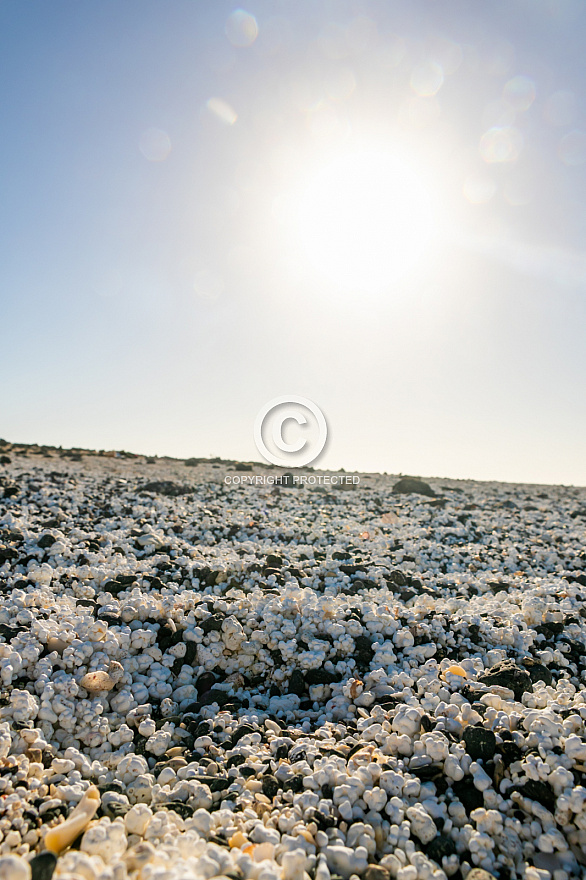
204 680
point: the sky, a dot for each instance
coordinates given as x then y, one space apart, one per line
376 205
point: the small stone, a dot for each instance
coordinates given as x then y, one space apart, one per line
440 847
43 865
538 672
97 681
241 731
467 794
411 484
376 872
14 868
297 683
480 874
507 674
270 786
480 743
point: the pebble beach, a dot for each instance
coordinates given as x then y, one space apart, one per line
202 678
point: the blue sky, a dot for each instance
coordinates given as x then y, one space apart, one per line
155 285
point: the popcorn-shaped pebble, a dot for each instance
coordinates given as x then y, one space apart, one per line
395 810
422 825
232 633
140 790
201 796
407 721
346 861
452 768
436 746
375 798
575 748
480 777
80 864
158 743
14 868
147 727
137 819
130 767
106 839
202 821
24 706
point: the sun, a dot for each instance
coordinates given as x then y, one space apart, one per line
365 220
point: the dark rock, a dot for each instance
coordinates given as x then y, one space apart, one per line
216 696
411 484
166 487
235 761
541 792
167 636
321 676
537 671
270 786
398 578
212 623
297 683
507 674
440 846
183 810
273 561
46 541
467 794
114 810
43 865
242 730
427 771
363 650
295 784
219 783
480 743
427 723
352 568
498 587
205 682
323 821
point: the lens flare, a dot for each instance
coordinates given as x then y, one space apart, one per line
365 220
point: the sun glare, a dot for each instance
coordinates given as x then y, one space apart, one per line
365 220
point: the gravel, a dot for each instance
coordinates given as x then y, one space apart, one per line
310 683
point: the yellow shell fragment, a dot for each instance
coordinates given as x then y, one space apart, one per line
60 837
457 670
97 681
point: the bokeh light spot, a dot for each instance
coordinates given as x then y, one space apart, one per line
478 189
241 28
572 148
155 144
427 79
520 93
501 144
222 110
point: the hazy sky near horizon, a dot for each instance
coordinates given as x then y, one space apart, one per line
379 205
